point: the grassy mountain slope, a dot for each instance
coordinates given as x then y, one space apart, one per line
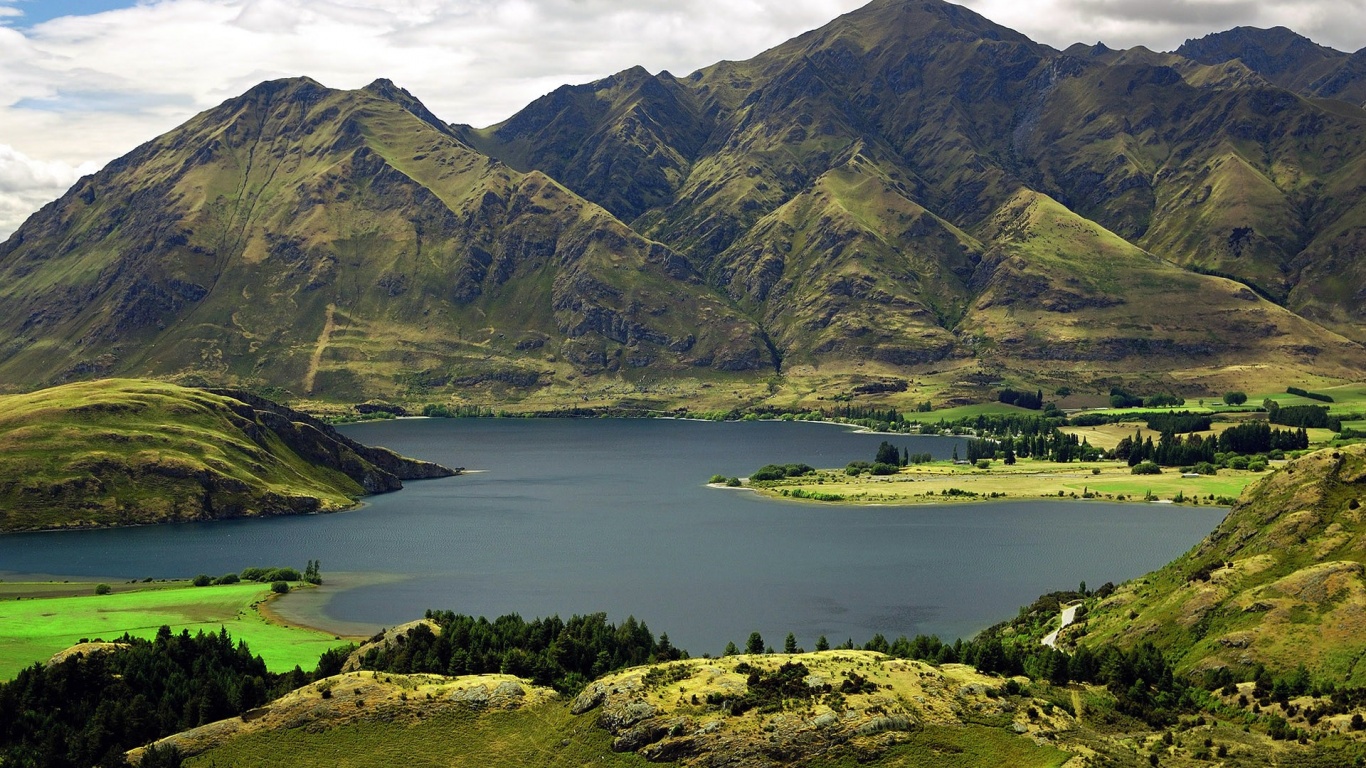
125 452
347 243
1057 287
854 196
1281 581
933 107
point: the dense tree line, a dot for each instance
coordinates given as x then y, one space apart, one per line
1312 416
1182 422
1031 400
1141 679
89 710
1322 398
1247 439
565 655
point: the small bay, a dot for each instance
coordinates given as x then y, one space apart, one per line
576 516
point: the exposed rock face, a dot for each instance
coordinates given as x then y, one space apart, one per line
377 469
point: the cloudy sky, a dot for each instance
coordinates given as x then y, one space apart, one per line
88 80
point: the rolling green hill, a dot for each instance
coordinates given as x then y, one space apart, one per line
909 191
127 452
1280 582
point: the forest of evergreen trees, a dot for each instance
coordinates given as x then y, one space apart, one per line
565 655
87 711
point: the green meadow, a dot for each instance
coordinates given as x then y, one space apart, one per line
38 620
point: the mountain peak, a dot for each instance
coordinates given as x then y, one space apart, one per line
385 88
1267 51
288 88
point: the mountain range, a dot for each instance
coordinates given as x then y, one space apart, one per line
911 191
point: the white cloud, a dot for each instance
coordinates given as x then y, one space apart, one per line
83 90
1164 24
27 184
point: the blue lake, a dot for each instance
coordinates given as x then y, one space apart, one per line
581 516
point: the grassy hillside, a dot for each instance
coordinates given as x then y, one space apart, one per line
124 452
756 711
906 714
1281 582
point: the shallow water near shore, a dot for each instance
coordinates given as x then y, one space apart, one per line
581 516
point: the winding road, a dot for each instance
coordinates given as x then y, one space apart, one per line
1069 615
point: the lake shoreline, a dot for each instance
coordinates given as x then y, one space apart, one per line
307 608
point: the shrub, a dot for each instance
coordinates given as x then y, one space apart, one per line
717 479
228 578
1164 399
1095 470
103 589
1235 397
879 468
1145 468
1311 395
203 580
1257 465
279 587
983 463
733 482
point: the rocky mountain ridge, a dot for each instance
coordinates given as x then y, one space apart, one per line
908 191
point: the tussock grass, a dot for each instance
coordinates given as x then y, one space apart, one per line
540 735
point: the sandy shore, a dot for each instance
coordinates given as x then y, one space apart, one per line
307 608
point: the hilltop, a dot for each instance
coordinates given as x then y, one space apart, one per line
909 192
1280 582
128 452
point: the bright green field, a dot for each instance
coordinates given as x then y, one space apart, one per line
965 412
33 629
1348 398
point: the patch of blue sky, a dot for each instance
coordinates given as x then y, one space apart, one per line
105 101
29 13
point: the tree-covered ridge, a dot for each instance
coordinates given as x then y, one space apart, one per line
553 652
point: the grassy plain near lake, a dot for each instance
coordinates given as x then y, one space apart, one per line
39 619
941 481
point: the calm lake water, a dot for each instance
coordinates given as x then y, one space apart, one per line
580 516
